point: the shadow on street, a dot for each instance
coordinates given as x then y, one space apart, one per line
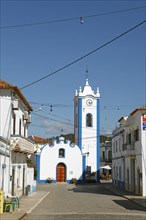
100 189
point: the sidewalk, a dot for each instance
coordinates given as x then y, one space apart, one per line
141 200
28 203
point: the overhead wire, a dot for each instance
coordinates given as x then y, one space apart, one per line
84 56
67 123
70 19
105 107
48 104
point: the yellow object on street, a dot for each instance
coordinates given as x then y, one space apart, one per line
1 201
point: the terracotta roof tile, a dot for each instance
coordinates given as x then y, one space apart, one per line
40 140
138 109
6 85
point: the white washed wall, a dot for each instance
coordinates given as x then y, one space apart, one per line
138 153
89 134
50 158
5 114
5 173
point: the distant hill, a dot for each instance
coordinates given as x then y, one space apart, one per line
71 137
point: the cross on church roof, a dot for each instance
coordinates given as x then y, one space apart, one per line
86 75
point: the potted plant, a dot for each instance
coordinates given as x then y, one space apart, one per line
50 179
73 180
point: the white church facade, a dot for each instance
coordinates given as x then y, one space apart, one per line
63 161
60 162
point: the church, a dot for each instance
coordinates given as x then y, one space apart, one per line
63 161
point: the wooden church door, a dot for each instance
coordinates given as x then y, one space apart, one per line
61 172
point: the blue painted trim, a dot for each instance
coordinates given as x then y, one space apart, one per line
84 168
38 167
119 184
98 140
43 181
80 123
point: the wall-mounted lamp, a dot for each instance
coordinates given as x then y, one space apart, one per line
87 153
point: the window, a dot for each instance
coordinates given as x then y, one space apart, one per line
14 123
61 152
128 138
119 144
19 126
89 119
116 146
109 156
25 127
113 146
136 135
119 172
103 155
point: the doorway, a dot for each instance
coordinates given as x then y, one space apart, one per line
13 181
132 163
61 172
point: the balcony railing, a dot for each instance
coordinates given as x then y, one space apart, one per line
129 149
21 144
130 146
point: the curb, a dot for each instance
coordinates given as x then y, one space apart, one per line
119 194
29 211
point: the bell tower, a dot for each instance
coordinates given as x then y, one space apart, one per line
87 126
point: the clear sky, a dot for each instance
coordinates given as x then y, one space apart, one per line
30 51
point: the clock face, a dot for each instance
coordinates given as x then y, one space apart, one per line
89 102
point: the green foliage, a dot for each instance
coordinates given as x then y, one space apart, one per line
31 164
104 138
71 137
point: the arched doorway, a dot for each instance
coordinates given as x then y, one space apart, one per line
61 172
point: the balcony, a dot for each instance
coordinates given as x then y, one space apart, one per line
128 149
21 144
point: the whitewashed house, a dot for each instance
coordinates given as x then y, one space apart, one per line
14 144
106 153
129 152
105 157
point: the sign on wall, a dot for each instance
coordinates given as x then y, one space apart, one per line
144 121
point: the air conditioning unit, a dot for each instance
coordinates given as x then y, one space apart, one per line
29 119
15 104
25 115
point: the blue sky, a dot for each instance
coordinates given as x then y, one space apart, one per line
31 52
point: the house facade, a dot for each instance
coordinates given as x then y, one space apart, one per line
106 153
15 147
129 152
105 157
